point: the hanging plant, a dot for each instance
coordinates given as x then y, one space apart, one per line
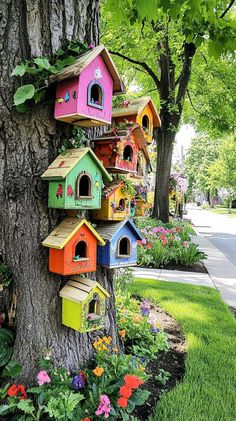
128 188
40 69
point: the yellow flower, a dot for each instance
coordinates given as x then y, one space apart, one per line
137 318
107 339
115 349
98 371
122 333
141 368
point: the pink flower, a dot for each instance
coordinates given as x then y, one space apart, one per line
91 46
186 244
43 377
104 407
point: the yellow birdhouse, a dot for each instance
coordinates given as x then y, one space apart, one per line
83 304
114 204
141 207
141 111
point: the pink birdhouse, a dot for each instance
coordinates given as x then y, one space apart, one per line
84 90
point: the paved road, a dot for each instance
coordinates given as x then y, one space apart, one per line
220 230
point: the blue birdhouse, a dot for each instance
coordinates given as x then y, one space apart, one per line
121 244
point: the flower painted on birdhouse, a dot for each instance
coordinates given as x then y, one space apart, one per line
95 77
83 309
77 184
141 111
121 243
73 247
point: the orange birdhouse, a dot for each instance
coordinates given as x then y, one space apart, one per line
73 247
115 204
141 111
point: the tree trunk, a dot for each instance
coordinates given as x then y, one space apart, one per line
29 143
230 204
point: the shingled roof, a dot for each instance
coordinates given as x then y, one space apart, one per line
109 229
110 188
135 106
77 289
60 236
84 60
65 162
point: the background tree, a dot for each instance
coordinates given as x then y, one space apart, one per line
159 39
29 142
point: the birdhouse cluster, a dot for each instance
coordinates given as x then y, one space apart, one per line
95 180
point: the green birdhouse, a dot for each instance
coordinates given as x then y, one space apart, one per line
83 304
76 180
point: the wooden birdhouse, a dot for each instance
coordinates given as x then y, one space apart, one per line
73 247
76 180
83 304
141 206
141 111
115 204
121 244
84 90
118 149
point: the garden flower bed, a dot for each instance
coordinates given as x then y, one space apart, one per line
168 245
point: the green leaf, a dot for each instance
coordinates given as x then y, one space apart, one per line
12 369
5 354
140 397
4 409
19 70
23 93
39 95
26 405
6 336
59 52
42 62
22 108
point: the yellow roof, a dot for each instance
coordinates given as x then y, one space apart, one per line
77 289
136 106
84 60
60 236
66 161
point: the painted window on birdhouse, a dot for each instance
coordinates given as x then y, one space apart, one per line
145 122
127 153
94 308
80 250
96 95
84 186
124 247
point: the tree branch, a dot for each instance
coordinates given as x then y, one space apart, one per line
140 63
227 8
192 105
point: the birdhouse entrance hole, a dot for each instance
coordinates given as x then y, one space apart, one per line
145 122
95 95
128 153
124 247
94 310
121 204
81 249
84 186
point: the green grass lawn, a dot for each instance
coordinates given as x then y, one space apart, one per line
224 211
208 390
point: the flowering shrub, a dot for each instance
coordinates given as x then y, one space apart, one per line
139 328
167 243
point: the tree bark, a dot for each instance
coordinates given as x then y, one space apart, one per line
29 143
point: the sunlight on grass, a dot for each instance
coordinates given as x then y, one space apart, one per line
207 392
224 211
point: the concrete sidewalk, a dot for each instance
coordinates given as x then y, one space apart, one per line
221 273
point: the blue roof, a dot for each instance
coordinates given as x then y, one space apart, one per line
108 230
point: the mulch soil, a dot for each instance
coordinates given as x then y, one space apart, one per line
172 361
198 267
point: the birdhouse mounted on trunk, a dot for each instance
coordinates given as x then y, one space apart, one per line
141 111
115 204
121 244
76 180
118 149
84 89
73 247
83 304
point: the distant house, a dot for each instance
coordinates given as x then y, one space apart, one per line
83 304
138 110
76 180
121 244
84 89
73 247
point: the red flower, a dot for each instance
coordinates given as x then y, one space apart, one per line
125 391
133 381
17 391
12 390
122 402
85 419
